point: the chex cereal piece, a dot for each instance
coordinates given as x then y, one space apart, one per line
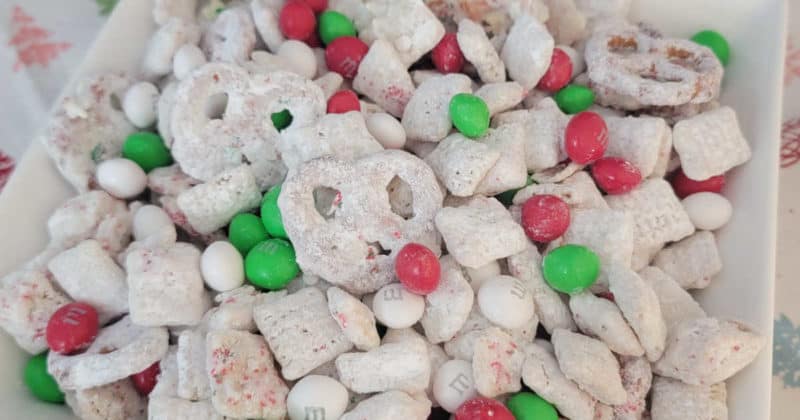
693 261
234 310
163 10
496 363
87 129
609 233
80 217
507 117
88 274
462 346
501 97
636 379
601 318
330 83
166 101
461 164
390 405
675 400
161 279
265 17
171 408
567 23
167 379
119 351
545 125
382 77
436 355
191 359
510 171
163 44
677 305
642 141
557 173
447 307
705 351
169 180
421 76
403 366
27 300
710 143
407 24
579 192
427 114
354 318
527 51
262 62
590 364
480 232
115 401
244 380
231 37
658 216
477 49
300 331
541 373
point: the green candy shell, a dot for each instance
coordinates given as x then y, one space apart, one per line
147 150
246 231
573 99
271 264
333 25
271 214
529 406
39 381
571 268
469 114
717 43
281 119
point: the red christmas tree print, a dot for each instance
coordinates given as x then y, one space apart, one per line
792 70
6 167
790 143
32 41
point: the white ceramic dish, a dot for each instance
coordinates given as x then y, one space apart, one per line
744 290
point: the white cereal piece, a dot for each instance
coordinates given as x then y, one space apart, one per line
317 397
387 130
262 62
167 379
121 177
501 97
567 23
639 140
211 205
609 233
265 17
527 51
115 401
421 76
708 210
557 173
677 305
447 307
591 365
478 50
507 117
637 378
454 384
692 262
163 10
27 300
330 83
705 351
462 346
300 58
506 302
408 25
191 360
710 143
169 181
427 114
87 128
461 164
322 65
579 192
234 310
601 318
510 171
544 126
354 318
171 408
480 232
161 279
382 77
162 46
476 276
675 400
576 57
166 101
496 364
389 405
120 350
436 354
187 58
396 307
231 37
88 274
139 104
367 107
403 366
244 380
300 331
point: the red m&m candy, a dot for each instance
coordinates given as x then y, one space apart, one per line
318 6
418 268
145 380
586 137
483 409
545 217
297 20
616 175
72 328
447 55
558 74
344 54
684 186
343 101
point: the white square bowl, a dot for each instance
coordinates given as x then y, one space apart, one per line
744 290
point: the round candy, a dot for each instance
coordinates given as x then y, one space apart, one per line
545 217
507 197
72 328
447 55
574 99
271 264
386 130
313 40
558 74
139 104
576 58
281 119
586 137
505 301
708 210
147 150
149 220
297 20
483 409
529 406
317 5
271 214
39 381
616 175
245 231
343 101
121 177
477 276
417 268
395 307
344 54
717 43
469 114
685 186
146 380
571 268
333 24
186 59
222 266
300 57
453 384
317 397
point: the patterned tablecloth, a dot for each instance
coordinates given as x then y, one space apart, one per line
41 44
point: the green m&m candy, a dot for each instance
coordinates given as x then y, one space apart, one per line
271 264
271 214
571 268
717 43
574 98
507 197
469 114
246 231
281 119
333 24
147 150
39 381
529 406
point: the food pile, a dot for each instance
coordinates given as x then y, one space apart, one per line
389 209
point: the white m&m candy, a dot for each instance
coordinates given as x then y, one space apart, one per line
477 276
386 130
396 307
453 384
122 178
187 58
222 266
139 104
505 301
708 210
300 58
317 397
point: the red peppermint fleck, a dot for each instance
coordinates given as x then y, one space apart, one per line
6 168
31 42
790 144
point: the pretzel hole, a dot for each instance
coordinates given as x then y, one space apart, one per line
216 105
115 101
327 201
400 198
